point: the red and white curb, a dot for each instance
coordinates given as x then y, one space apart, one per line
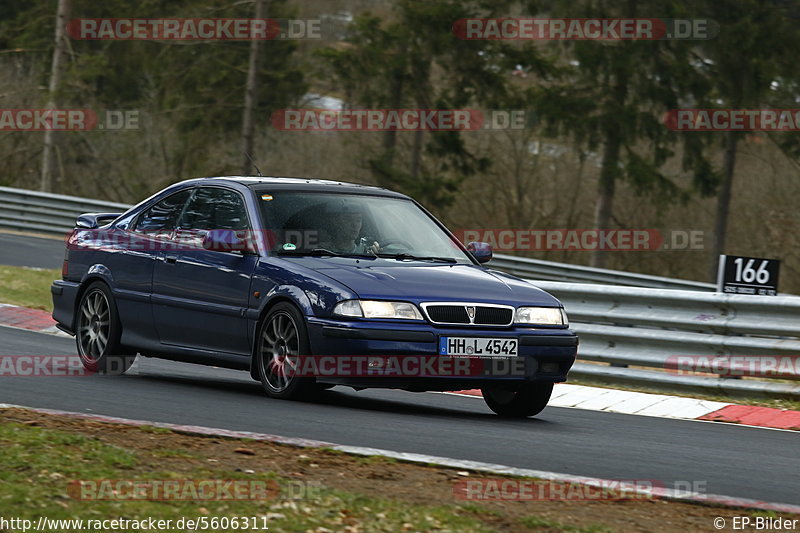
664 406
14 316
474 466
750 415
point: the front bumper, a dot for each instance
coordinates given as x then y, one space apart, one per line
543 354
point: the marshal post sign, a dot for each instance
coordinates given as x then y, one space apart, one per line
748 275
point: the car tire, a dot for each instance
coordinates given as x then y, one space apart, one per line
524 401
98 331
282 338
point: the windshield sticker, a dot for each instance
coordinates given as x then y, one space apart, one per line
266 197
289 246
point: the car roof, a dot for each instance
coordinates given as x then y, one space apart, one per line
297 184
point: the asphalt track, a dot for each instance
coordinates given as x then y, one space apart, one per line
731 460
25 250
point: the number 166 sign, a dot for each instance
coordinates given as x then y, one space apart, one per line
748 275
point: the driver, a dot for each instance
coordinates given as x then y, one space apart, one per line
344 220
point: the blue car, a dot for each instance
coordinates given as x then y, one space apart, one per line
308 284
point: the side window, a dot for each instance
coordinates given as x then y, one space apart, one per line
161 219
212 208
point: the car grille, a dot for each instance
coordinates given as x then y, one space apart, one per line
495 316
485 315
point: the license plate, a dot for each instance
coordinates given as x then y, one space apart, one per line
477 346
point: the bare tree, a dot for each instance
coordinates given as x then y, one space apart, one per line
59 52
724 202
248 119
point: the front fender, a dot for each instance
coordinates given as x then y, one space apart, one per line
276 280
278 293
283 292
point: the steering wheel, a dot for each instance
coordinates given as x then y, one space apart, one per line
395 242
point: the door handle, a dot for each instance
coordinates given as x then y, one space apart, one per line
171 259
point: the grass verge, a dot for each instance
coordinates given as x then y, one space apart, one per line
28 287
43 454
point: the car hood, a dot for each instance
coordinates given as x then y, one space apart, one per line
419 281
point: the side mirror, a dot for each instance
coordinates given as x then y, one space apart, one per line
226 240
95 220
481 250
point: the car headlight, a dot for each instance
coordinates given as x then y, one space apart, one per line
377 309
546 316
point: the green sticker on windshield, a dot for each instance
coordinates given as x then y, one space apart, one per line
289 246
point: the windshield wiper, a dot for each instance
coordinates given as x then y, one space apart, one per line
411 257
321 252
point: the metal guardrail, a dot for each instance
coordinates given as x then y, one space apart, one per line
552 271
21 209
640 324
628 327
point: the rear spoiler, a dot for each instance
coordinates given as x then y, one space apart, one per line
95 220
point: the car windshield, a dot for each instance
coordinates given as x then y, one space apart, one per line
316 223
